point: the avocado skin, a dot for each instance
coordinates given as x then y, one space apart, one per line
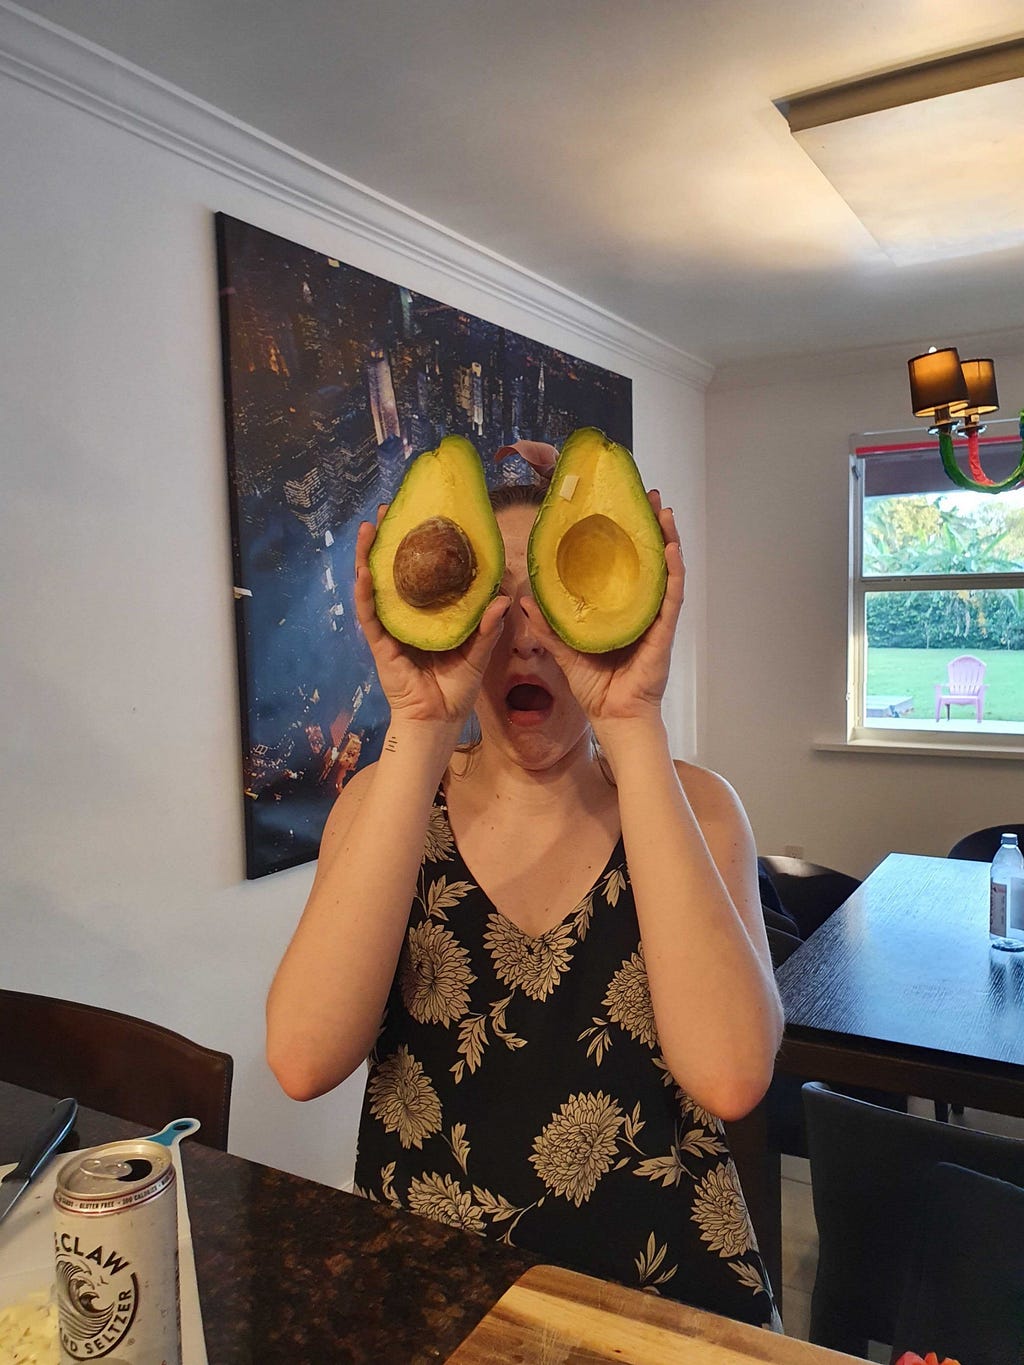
596 559
446 482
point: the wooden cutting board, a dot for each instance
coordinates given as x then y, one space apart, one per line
553 1317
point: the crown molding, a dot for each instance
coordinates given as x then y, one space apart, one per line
860 360
77 72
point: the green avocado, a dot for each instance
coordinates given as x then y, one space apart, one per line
438 558
596 556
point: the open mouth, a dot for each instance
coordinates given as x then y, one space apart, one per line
528 703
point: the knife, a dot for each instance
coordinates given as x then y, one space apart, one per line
37 1154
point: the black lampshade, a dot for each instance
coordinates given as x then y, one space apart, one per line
937 383
980 378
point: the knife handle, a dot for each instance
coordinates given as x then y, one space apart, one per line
46 1141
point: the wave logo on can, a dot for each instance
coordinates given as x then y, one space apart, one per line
97 1298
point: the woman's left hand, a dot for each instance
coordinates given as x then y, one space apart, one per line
625 683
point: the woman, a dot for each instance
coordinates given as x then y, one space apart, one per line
582 989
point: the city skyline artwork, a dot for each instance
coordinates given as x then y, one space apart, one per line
334 380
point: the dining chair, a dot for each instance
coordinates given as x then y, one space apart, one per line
981 844
809 892
963 1294
113 1062
868 1166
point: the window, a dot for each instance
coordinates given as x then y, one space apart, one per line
937 573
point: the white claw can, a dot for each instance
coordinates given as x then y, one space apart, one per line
116 1254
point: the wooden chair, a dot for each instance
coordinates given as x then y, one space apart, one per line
113 1062
868 1165
964 686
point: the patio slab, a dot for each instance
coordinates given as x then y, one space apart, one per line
894 706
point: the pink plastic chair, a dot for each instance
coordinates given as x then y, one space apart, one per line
964 686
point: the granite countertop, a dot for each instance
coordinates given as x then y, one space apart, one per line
290 1270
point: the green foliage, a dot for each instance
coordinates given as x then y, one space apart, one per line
968 619
939 534
918 533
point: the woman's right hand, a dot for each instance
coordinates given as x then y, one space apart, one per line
423 686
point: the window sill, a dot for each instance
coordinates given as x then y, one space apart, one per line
908 744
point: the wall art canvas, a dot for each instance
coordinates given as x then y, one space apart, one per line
334 380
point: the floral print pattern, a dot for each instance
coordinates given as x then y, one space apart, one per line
442 1198
517 1090
628 1000
720 1213
578 1146
434 975
403 1099
533 965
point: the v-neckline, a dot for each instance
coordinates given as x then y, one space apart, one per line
601 877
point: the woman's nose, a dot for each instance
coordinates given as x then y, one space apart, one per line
524 642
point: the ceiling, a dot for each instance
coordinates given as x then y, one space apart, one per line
628 150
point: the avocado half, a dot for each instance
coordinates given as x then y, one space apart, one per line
438 558
596 555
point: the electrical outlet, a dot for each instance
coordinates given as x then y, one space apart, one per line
793 850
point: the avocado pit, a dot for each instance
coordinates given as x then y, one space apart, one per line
434 564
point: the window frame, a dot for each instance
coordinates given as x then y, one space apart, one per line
892 734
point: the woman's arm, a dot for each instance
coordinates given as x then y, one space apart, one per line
693 867
692 864
325 1005
326 1001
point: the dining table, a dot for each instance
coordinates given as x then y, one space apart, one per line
900 991
289 1270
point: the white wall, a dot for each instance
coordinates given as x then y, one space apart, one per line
777 469
123 874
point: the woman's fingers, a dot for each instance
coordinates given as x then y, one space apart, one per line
366 613
676 585
478 648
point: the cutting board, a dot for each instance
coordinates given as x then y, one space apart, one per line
553 1317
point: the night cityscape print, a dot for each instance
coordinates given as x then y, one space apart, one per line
334 381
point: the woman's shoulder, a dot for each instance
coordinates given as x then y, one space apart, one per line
707 792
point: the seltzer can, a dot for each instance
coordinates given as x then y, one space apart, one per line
116 1252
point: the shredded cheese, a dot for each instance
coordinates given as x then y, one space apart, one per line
28 1332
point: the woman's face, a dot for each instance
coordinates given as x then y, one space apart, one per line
525 705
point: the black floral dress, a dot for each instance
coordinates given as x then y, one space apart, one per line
517 1090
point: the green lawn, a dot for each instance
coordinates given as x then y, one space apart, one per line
914 672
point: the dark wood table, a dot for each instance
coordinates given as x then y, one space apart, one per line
899 990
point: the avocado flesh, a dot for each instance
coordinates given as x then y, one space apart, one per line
447 483
596 556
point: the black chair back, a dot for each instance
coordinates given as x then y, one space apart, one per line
114 1062
964 1291
809 892
867 1168
981 845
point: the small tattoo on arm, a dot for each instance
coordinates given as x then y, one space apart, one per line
391 743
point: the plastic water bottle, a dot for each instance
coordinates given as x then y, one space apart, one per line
1006 897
